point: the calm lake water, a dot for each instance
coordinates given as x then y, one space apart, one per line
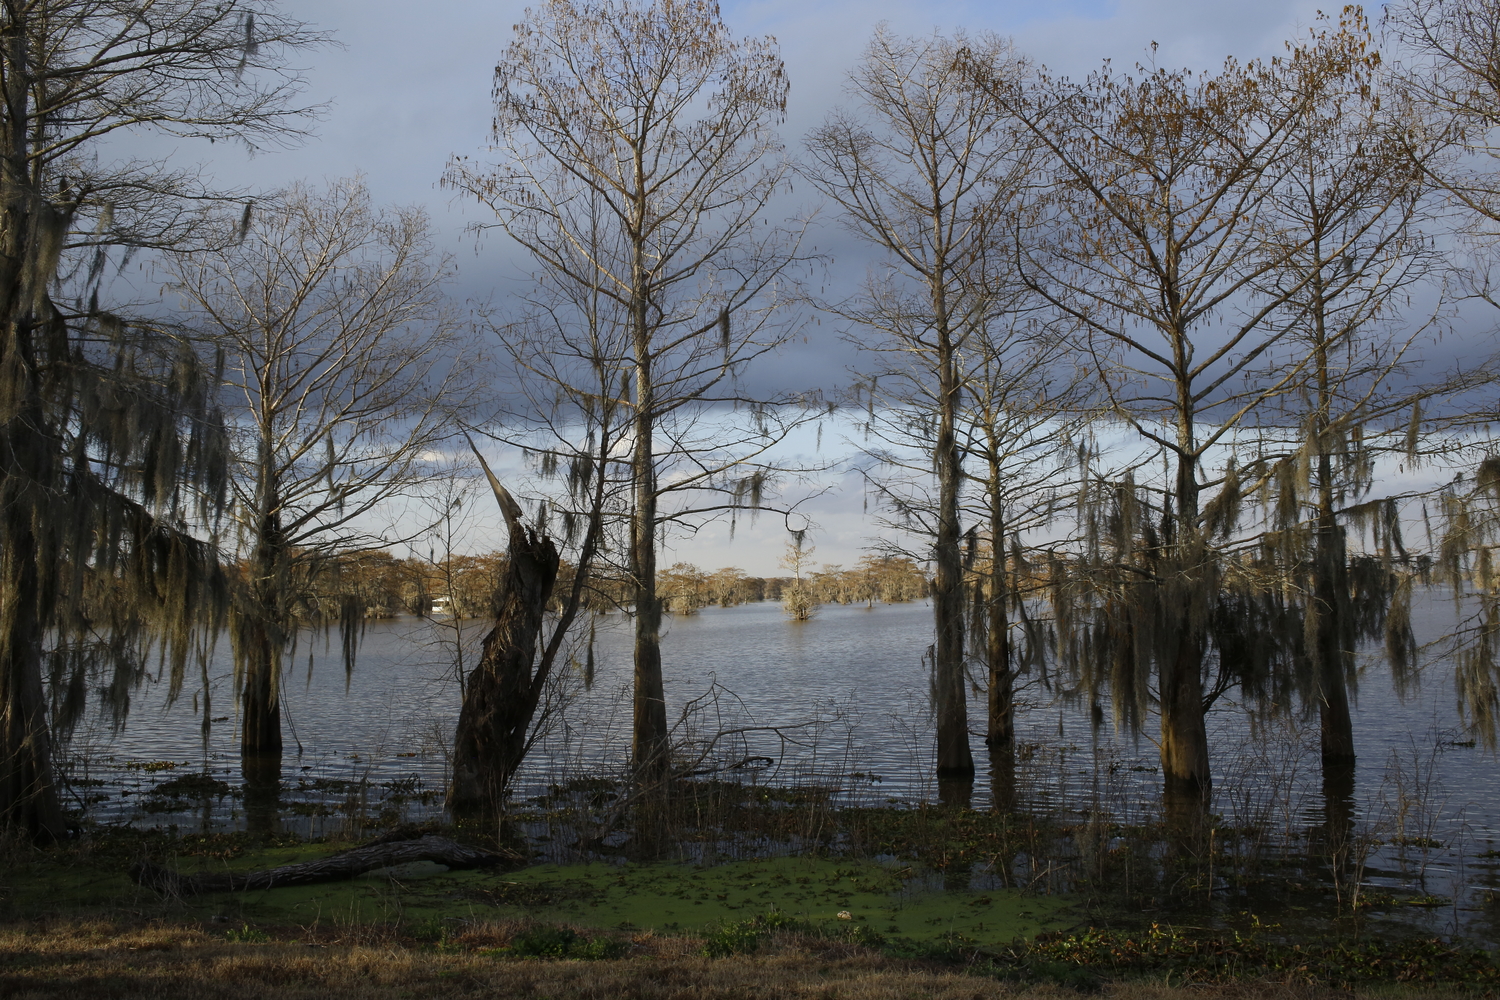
841 702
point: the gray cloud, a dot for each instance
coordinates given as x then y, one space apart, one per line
408 90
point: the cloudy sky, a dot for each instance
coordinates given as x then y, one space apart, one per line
405 92
407 89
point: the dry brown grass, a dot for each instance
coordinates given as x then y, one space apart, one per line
83 961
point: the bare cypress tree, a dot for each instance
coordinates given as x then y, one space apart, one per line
341 359
656 116
1159 236
105 434
1024 417
1350 206
926 170
1452 76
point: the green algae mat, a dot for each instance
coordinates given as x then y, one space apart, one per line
890 901
670 897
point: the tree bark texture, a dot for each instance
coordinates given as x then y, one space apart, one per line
1334 635
1184 735
503 691
261 774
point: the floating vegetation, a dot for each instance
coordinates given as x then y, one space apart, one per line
192 786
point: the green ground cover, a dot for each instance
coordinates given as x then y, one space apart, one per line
887 900
605 911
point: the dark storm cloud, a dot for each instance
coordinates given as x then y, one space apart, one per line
405 92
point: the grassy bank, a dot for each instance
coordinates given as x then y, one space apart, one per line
843 898
129 959
73 924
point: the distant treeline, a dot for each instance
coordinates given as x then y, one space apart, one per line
387 586
684 588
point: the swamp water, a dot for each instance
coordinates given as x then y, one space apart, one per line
837 705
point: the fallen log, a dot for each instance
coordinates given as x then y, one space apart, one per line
343 865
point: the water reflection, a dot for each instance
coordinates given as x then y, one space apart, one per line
261 774
1338 807
1003 788
956 792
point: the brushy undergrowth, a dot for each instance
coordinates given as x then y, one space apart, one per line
1164 953
559 942
1088 959
770 956
742 937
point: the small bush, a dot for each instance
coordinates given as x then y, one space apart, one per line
739 937
246 934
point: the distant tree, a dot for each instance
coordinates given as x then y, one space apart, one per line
798 599
828 584
637 157
728 587
107 439
340 356
683 588
896 579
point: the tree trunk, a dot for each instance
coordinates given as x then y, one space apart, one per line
260 703
28 794
1186 779
649 750
1003 791
1184 736
261 773
956 792
503 691
1001 702
261 641
1331 594
264 641
954 758
1334 652
1332 845
1183 591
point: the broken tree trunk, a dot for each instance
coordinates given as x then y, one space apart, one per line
336 867
503 691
